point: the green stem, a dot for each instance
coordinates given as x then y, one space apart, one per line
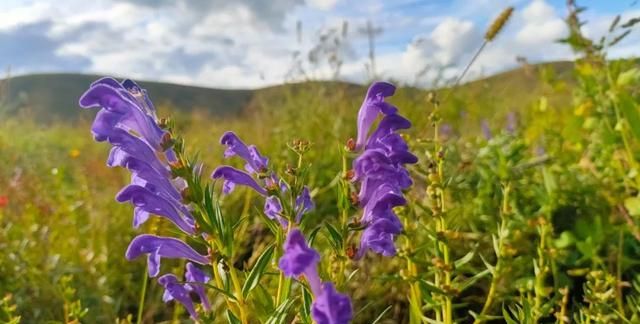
466 69
143 293
498 268
619 301
539 288
238 288
281 278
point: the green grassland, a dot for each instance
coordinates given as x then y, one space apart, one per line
63 236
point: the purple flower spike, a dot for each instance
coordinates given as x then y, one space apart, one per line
233 176
380 170
195 278
256 163
373 105
331 307
304 203
158 247
298 257
174 290
146 202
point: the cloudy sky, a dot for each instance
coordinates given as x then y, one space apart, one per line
252 43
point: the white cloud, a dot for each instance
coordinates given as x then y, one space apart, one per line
541 24
249 43
452 38
20 16
322 4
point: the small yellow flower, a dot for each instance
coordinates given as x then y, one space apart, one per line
74 153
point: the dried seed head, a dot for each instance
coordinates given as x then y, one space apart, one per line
351 251
355 200
498 24
351 145
349 175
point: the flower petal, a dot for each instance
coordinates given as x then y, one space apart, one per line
162 247
233 176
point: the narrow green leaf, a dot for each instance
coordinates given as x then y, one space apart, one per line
335 236
464 260
280 314
471 281
312 235
258 270
350 276
425 286
381 315
307 299
507 317
232 319
222 291
629 109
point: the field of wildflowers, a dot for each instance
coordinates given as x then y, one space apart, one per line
321 205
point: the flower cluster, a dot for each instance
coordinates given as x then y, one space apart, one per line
329 306
380 170
127 120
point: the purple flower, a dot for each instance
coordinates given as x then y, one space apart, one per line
382 224
380 170
195 278
373 169
331 307
388 124
372 105
123 110
328 306
158 247
378 236
140 96
256 163
126 142
512 122
174 290
486 130
273 210
298 256
304 203
144 174
381 204
446 130
233 177
146 202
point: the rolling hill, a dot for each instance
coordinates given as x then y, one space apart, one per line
53 97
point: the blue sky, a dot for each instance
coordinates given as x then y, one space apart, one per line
252 43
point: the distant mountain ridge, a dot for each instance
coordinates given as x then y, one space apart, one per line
50 97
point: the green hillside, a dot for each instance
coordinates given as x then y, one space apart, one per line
53 97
